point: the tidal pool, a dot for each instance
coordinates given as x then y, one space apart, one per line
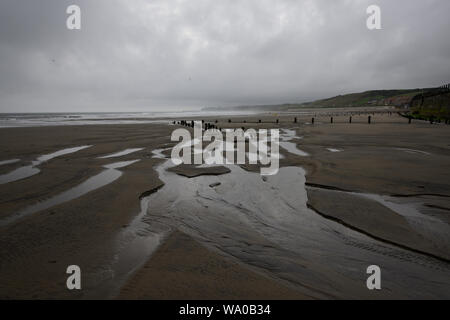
102 179
31 170
121 153
264 222
5 162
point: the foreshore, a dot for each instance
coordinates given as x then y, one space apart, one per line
382 189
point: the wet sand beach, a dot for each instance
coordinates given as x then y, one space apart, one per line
357 194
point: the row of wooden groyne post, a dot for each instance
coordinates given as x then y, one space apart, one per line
209 125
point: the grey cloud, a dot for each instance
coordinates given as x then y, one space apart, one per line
156 54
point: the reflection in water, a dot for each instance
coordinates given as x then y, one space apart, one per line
59 153
4 162
121 153
19 174
413 151
286 136
95 182
292 148
265 223
31 170
334 150
135 244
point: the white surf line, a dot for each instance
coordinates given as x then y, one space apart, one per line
31 170
121 153
413 151
4 162
334 150
106 177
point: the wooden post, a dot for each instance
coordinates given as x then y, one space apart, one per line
312 120
409 120
350 120
295 120
331 121
370 120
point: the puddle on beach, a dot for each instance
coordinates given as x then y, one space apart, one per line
31 170
431 228
102 179
292 148
288 135
134 245
5 162
265 223
121 153
413 151
334 150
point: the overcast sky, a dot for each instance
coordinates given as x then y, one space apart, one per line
144 55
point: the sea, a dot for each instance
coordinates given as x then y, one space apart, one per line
11 120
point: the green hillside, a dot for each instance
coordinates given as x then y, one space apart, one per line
433 104
367 98
396 98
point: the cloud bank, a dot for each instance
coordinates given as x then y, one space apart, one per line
144 55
